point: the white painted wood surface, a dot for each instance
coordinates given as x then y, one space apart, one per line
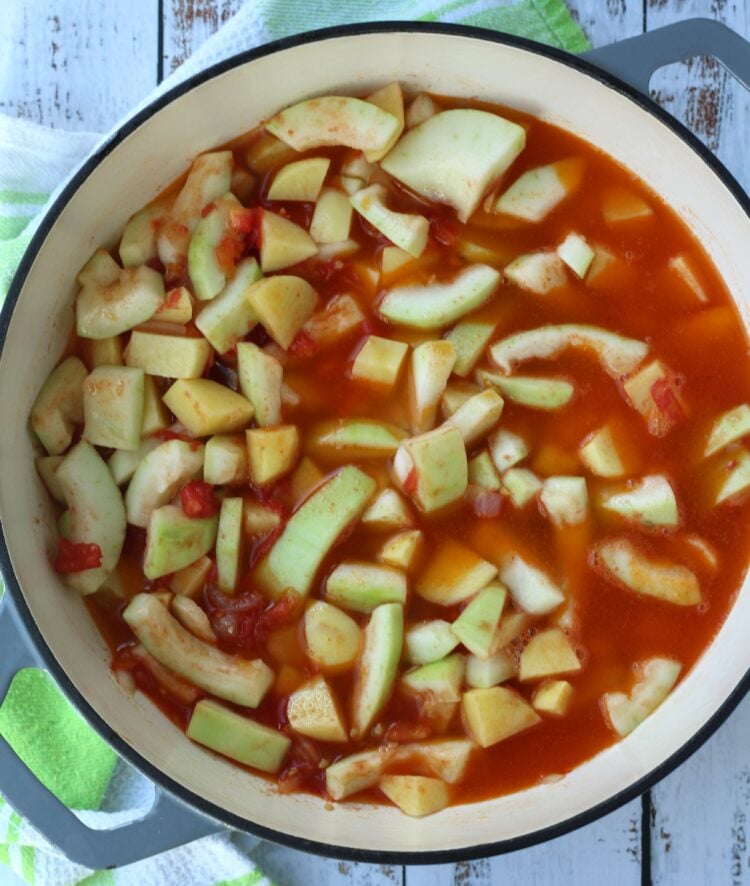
81 64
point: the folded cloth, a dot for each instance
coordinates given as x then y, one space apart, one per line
35 718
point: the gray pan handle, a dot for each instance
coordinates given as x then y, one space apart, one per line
636 59
168 823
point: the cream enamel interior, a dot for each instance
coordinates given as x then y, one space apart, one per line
130 176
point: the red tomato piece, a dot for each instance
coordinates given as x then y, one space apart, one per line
303 345
411 481
197 499
77 556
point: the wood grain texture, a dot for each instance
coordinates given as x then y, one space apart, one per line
700 92
187 23
76 65
611 845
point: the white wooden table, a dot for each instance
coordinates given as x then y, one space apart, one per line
81 64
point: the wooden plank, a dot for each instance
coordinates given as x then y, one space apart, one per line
294 868
611 845
188 23
617 20
76 66
700 92
701 812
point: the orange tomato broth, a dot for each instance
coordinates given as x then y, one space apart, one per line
613 628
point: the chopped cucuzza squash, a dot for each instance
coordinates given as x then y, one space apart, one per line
96 512
174 541
406 230
228 677
436 305
312 530
625 712
349 439
59 405
159 476
229 317
229 544
113 407
106 310
207 274
360 587
383 638
454 156
228 733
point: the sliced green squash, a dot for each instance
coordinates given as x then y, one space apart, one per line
133 298
477 416
535 193
159 476
531 589
599 453
229 317
521 485
482 673
650 501
538 272
59 405
206 272
138 241
312 530
432 468
431 365
124 462
408 231
97 513
332 637
260 376
334 120
388 511
430 641
475 626
361 587
332 217
565 500
209 178
455 156
618 355
469 339
229 677
627 564
625 712
301 180
225 460
383 638
577 254
482 472
47 466
229 733
113 407
529 390
174 541
435 305
353 438
727 428
357 772
229 544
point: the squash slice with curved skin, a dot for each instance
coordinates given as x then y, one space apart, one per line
234 679
95 510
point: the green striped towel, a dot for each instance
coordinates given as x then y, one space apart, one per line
38 722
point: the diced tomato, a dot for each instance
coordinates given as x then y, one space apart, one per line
248 223
283 612
207 209
303 345
228 253
77 556
444 229
411 482
402 731
666 401
303 768
198 499
171 301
